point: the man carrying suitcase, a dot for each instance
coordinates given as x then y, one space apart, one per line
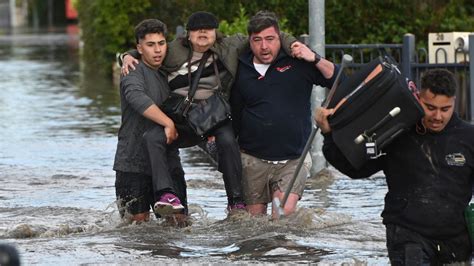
429 172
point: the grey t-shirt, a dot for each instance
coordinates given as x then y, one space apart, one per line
138 91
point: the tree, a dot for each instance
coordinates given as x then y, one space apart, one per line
107 25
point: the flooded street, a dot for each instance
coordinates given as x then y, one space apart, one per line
57 144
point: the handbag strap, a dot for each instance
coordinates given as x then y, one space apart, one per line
218 77
197 75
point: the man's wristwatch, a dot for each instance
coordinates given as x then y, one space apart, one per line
317 58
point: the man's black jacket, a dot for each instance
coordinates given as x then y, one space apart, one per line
429 178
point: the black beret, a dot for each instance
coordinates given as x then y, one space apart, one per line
202 20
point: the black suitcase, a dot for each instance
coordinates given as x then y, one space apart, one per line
373 106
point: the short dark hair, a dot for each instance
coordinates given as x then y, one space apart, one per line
148 26
262 20
439 81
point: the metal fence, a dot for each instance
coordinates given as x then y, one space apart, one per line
413 62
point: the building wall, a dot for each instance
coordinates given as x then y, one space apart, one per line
36 13
21 14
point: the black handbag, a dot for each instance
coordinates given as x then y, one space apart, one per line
206 115
173 107
201 116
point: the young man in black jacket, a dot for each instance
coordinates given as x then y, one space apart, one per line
429 172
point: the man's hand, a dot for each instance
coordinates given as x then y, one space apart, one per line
321 118
301 51
128 63
171 133
155 114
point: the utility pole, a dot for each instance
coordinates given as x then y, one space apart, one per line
317 42
50 14
35 15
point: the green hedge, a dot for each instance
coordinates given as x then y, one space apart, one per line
107 25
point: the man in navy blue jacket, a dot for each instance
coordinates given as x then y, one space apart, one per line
272 112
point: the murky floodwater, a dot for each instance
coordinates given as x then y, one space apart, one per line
57 143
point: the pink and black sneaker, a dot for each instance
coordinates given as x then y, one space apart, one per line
168 204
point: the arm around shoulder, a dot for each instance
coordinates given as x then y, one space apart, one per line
237 40
121 56
286 41
302 51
